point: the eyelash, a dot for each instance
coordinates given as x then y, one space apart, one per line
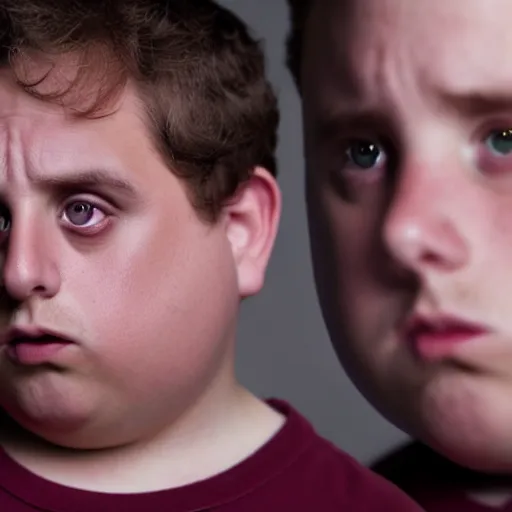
75 229
369 175
349 170
85 230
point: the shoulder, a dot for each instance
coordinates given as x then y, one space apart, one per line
355 484
331 478
416 465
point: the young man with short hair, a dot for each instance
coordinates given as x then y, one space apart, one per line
138 208
408 141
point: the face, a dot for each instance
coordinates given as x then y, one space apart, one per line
102 248
408 128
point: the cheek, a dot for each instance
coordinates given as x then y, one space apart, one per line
484 288
358 309
340 238
499 241
348 257
155 307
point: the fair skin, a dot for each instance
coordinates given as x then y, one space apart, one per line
102 246
407 111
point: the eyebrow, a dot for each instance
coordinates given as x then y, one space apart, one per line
333 122
478 102
88 178
330 123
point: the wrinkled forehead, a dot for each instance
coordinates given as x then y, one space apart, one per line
44 138
442 44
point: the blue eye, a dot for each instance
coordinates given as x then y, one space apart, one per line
500 142
364 153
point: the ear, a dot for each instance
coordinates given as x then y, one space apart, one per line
252 220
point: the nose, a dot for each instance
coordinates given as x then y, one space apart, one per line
30 264
423 228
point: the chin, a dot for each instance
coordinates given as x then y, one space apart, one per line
485 457
470 425
56 422
55 427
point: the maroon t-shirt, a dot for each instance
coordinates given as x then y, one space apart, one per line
434 482
296 471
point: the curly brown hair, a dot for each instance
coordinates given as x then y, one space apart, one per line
200 73
299 11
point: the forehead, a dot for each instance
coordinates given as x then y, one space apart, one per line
48 137
356 46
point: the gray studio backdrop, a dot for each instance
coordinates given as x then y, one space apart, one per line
284 350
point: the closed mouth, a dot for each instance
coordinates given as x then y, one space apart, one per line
33 347
436 337
32 335
443 327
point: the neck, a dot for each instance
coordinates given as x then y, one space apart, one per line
220 431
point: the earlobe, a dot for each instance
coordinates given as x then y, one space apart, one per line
252 221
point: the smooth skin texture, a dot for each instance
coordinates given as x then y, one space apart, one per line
408 132
101 245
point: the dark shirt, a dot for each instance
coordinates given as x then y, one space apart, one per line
296 471
436 483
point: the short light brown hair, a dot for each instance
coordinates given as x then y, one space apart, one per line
201 76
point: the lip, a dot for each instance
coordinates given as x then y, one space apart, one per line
437 337
32 345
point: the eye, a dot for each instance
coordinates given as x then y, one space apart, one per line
83 214
500 142
365 154
5 221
